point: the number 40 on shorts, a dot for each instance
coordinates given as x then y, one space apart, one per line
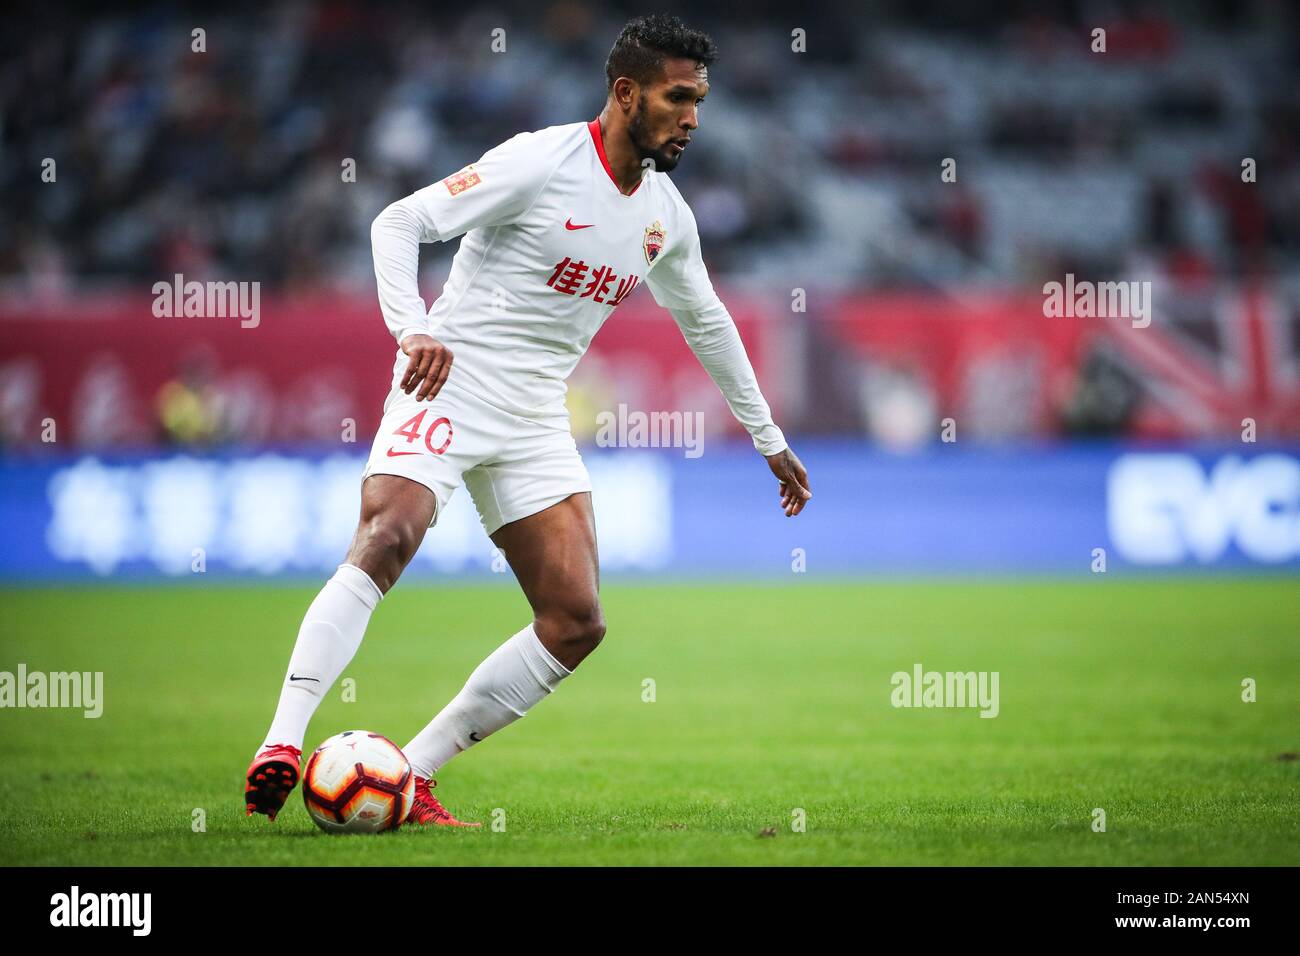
410 430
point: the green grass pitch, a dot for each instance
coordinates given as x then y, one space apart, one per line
769 698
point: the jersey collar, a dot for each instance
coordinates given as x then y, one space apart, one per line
594 127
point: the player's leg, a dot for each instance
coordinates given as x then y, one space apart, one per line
395 513
553 555
415 465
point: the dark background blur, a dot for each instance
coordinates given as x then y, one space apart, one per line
228 160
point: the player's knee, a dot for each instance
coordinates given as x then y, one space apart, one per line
575 631
384 547
593 627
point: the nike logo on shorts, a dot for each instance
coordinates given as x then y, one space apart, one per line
395 454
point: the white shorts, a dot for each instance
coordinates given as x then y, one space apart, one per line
513 467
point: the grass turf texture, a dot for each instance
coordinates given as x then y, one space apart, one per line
1119 695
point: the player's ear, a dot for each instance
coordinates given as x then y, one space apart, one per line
626 91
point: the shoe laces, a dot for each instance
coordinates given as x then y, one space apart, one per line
281 750
425 797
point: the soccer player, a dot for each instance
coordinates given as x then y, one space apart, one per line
560 226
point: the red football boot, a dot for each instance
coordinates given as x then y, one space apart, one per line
425 808
272 775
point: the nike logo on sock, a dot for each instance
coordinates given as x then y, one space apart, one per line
473 735
296 677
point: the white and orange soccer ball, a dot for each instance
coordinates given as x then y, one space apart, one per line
358 782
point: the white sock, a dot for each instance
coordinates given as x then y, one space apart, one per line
511 680
330 634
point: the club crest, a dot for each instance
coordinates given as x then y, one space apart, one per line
654 241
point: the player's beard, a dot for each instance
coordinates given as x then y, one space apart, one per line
638 132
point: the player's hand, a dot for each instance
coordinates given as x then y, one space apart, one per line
793 480
429 366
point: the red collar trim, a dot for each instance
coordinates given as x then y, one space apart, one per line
594 128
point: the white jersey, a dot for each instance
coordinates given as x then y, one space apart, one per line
551 247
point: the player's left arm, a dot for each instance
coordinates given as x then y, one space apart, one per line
681 284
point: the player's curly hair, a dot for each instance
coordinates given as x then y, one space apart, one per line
640 50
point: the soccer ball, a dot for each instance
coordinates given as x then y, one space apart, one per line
358 782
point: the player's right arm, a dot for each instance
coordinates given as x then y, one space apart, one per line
497 189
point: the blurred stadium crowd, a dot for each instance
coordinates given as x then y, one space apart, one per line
229 161
818 169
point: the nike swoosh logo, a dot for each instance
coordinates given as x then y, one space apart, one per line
473 735
395 454
568 224
296 677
